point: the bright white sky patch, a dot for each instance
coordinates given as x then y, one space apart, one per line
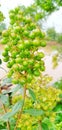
10 4
55 20
7 5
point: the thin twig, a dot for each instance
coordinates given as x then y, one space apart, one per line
40 127
8 124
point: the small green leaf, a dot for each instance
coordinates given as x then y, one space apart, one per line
3 98
34 112
49 124
6 81
15 109
44 126
60 95
32 94
13 90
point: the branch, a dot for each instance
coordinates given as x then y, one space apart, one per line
40 127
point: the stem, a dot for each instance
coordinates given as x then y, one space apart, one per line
8 124
20 113
40 127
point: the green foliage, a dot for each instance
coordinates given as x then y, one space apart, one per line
58 107
32 108
58 119
55 60
59 38
59 126
39 103
6 81
1 16
58 84
2 126
35 110
47 124
51 33
32 94
49 5
14 110
3 98
2 25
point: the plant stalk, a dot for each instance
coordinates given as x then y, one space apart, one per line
8 124
40 127
20 113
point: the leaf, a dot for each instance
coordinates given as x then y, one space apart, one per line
34 112
5 117
15 109
49 124
3 129
60 96
44 126
6 81
13 90
32 94
3 98
2 126
35 127
59 112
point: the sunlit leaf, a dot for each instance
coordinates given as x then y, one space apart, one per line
3 98
6 81
49 124
34 112
14 110
32 94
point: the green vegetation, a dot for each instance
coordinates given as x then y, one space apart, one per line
1 16
51 33
31 104
59 38
58 84
54 36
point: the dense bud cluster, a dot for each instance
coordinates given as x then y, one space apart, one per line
23 39
30 122
44 98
